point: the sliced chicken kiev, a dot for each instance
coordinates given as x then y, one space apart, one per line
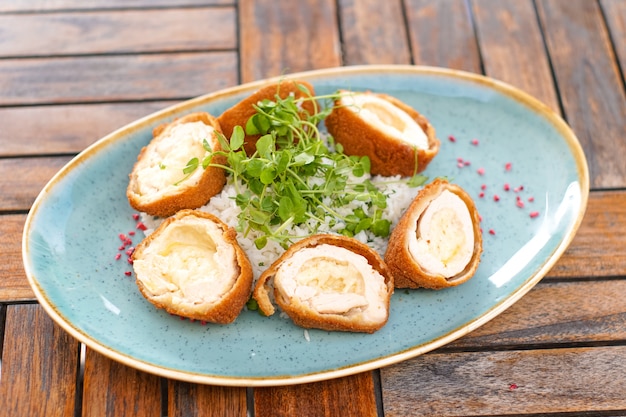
437 243
329 282
397 139
192 266
239 114
161 182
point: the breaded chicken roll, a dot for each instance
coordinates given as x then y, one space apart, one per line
192 266
397 139
437 243
160 184
329 282
239 114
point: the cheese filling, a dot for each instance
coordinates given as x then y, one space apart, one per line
161 170
387 118
333 280
443 242
189 260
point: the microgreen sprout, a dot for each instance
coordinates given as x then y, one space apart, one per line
296 177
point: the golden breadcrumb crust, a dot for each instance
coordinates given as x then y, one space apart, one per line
303 315
228 308
388 155
239 114
186 196
406 271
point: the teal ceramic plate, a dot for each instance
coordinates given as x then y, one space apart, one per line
493 137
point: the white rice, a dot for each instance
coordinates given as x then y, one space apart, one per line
399 196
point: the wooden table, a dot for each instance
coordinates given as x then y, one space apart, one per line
72 71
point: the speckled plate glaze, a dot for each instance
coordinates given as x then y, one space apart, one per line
71 238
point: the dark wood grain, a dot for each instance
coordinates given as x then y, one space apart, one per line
615 15
498 383
589 83
373 32
66 129
33 173
186 399
57 5
13 283
442 35
128 392
39 365
115 78
588 312
127 31
348 396
284 36
512 47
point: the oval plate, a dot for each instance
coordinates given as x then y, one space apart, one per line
500 136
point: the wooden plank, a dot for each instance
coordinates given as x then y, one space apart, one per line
597 250
67 128
512 48
32 174
185 399
590 85
515 382
57 5
615 15
39 365
13 283
348 396
441 34
115 78
128 392
156 30
266 51
586 312
363 42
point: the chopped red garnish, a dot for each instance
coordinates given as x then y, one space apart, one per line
118 256
492 232
480 171
130 260
531 199
508 166
512 386
467 163
483 187
128 273
481 194
203 323
507 187
518 189
459 159
520 204
132 233
130 251
480 218
496 197
534 214
451 138
475 142
122 237
122 247
459 164
141 226
135 216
